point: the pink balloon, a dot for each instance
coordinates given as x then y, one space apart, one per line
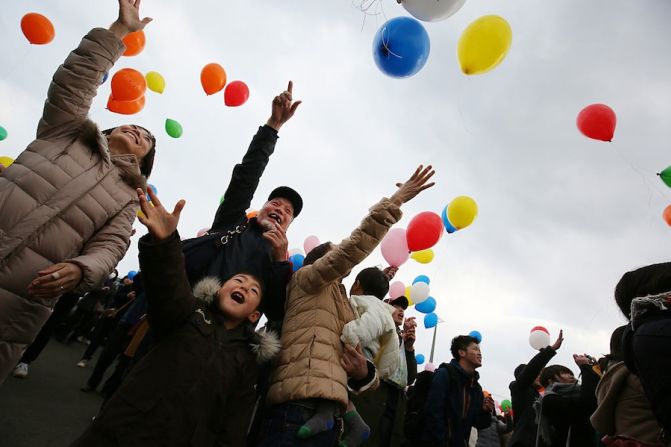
310 243
396 289
395 247
430 367
202 232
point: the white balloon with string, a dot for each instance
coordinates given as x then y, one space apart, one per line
432 10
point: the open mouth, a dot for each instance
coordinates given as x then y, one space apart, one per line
275 217
135 138
238 297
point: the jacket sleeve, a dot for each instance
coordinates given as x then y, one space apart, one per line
590 380
370 382
373 323
169 298
534 367
435 409
75 83
245 179
276 291
341 259
484 420
411 363
238 416
102 252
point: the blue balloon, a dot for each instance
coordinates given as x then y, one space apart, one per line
131 274
105 76
476 335
430 320
422 278
153 189
448 226
420 358
401 47
427 306
297 261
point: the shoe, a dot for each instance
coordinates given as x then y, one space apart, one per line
21 370
82 363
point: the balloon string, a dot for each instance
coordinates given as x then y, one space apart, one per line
384 42
643 174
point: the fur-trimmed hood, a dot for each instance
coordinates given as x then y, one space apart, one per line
265 345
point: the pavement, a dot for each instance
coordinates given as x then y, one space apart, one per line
47 409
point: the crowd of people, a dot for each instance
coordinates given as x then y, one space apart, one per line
330 367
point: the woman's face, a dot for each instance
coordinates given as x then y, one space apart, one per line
130 139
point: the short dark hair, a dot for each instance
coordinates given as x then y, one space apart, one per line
552 372
373 281
461 342
648 280
616 348
147 163
317 252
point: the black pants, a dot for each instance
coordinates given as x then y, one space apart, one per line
116 343
61 311
103 328
652 353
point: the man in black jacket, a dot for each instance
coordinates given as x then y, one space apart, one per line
258 245
524 392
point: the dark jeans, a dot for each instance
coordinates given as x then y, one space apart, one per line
116 343
652 353
280 428
103 327
60 312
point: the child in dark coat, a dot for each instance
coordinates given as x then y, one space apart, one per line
197 384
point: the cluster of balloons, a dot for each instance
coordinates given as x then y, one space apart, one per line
539 338
37 28
213 80
597 121
296 256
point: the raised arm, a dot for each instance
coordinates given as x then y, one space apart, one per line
75 83
538 362
246 175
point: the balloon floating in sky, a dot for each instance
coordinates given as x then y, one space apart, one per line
155 81
506 405
476 335
125 107
539 338
432 10
427 306
401 47
665 175
430 320
37 28
212 78
173 128
462 211
667 215
597 121
423 256
3 133
236 94
134 43
128 85
484 44
421 278
424 231
131 274
6 161
420 359
396 289
394 247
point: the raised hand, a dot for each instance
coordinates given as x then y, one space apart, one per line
559 341
283 108
129 18
160 223
416 184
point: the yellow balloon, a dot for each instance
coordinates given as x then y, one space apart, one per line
155 81
462 211
139 213
6 161
484 44
410 303
407 292
423 257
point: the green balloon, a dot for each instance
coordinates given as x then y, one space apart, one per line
506 405
665 175
173 128
3 133
221 200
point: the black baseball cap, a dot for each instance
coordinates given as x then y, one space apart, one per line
291 195
400 301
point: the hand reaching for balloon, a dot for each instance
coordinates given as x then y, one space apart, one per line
283 108
416 184
129 19
390 272
559 341
160 223
55 280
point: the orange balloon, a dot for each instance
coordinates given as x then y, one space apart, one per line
128 85
667 215
37 28
134 43
213 78
252 214
125 107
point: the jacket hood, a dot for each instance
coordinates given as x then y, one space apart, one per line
462 373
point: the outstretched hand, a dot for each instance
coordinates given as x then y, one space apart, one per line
416 184
283 108
559 341
129 18
160 223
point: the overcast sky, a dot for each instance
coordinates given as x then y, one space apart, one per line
561 217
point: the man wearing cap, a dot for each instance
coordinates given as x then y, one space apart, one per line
383 409
258 245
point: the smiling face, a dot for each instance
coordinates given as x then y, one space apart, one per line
278 210
471 355
239 298
130 139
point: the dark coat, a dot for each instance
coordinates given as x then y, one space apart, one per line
453 408
246 250
196 386
523 395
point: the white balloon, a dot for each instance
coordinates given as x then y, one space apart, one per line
539 339
419 292
432 10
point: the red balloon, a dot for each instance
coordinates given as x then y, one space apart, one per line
236 94
597 121
667 215
128 85
424 231
37 28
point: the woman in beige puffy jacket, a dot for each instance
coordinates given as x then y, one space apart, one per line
68 202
